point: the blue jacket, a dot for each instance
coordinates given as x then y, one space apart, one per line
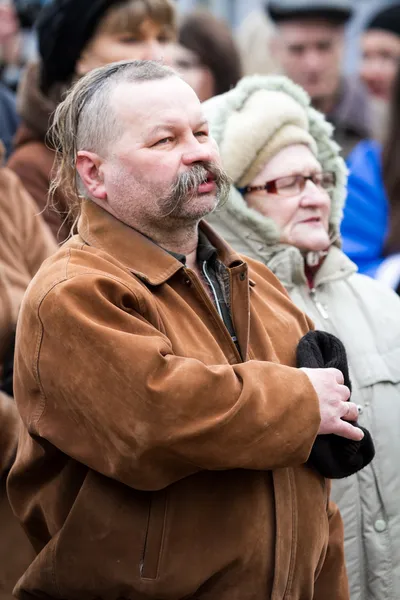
8 118
366 212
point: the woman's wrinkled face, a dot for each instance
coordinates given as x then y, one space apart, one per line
302 219
190 68
380 58
149 41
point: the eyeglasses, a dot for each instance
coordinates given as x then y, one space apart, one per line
293 184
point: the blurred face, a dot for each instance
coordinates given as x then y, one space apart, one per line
190 68
302 219
310 52
163 171
380 58
149 41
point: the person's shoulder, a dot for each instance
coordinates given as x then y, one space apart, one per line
33 153
78 269
262 276
11 192
367 152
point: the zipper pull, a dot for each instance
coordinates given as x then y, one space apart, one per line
321 309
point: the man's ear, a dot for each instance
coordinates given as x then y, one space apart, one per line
88 165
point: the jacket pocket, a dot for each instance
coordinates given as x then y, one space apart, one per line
372 368
153 543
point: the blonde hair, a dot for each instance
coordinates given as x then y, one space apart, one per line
84 120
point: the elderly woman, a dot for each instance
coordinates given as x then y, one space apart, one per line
285 210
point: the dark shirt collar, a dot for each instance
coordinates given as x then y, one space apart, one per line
205 250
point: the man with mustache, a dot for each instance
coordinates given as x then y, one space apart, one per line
165 426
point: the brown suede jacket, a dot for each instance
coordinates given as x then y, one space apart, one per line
32 158
154 462
25 240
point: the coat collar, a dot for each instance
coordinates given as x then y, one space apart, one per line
288 265
135 251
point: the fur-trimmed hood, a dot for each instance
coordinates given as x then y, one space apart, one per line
225 110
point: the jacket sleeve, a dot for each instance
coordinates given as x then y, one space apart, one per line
113 395
332 580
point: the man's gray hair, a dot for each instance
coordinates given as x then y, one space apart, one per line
84 120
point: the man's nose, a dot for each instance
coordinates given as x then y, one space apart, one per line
313 60
198 152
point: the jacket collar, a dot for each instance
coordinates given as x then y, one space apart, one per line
288 265
135 251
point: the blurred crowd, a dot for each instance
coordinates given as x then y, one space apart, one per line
46 47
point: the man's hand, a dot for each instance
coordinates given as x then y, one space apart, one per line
334 406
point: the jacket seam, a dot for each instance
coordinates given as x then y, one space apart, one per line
293 548
41 408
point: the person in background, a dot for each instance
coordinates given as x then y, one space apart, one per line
164 438
25 242
25 239
8 113
380 44
389 270
253 39
75 36
368 211
206 56
15 550
285 208
308 46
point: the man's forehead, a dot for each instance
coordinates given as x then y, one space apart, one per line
146 106
300 30
147 97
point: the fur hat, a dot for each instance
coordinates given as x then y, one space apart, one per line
252 122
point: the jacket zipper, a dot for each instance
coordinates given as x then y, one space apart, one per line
320 308
216 302
200 289
214 293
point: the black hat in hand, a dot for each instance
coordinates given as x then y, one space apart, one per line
333 456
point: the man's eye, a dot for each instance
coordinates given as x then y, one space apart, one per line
163 141
201 134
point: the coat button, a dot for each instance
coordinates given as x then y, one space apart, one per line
242 276
380 525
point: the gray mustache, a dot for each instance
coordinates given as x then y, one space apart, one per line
186 184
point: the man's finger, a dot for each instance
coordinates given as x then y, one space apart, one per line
349 432
350 411
338 375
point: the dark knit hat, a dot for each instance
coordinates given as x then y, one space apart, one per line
387 19
335 11
64 28
333 456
